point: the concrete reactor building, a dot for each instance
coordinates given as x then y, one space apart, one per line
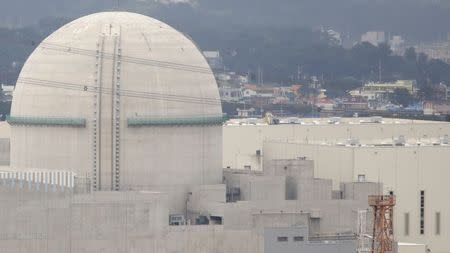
106 86
114 144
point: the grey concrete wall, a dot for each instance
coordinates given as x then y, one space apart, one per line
405 170
56 222
4 151
256 187
272 245
303 194
359 190
208 239
208 200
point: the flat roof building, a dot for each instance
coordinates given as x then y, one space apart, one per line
410 157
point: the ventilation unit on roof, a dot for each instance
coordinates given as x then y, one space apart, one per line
353 142
293 120
376 119
334 120
445 140
400 141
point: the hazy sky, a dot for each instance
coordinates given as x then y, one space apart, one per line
414 18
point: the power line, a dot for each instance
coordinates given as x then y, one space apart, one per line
129 59
34 80
121 92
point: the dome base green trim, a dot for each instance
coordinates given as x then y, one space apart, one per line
46 121
177 121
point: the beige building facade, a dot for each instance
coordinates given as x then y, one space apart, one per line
410 158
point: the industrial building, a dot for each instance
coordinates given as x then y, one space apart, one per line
410 158
96 98
116 143
243 138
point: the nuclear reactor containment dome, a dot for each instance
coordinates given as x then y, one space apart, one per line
122 99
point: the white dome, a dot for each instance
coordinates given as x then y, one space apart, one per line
155 124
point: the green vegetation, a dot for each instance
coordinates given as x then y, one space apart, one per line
278 52
17 44
402 97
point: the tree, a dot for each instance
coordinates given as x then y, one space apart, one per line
384 50
402 97
410 55
339 87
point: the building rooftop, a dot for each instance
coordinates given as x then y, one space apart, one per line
330 121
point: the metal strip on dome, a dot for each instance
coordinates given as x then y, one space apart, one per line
46 121
115 182
177 121
96 124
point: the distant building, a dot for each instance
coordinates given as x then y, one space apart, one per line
246 113
7 92
397 44
377 93
262 99
230 94
7 89
448 93
214 59
248 93
354 104
409 85
223 77
374 37
333 35
325 104
430 108
435 50
230 78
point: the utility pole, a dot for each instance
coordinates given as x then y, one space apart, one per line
379 71
260 76
258 72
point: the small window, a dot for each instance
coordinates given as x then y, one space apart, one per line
282 239
361 178
406 224
299 238
247 167
422 212
438 223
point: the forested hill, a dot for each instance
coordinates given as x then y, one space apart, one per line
277 51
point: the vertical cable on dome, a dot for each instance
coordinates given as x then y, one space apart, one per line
115 115
96 124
